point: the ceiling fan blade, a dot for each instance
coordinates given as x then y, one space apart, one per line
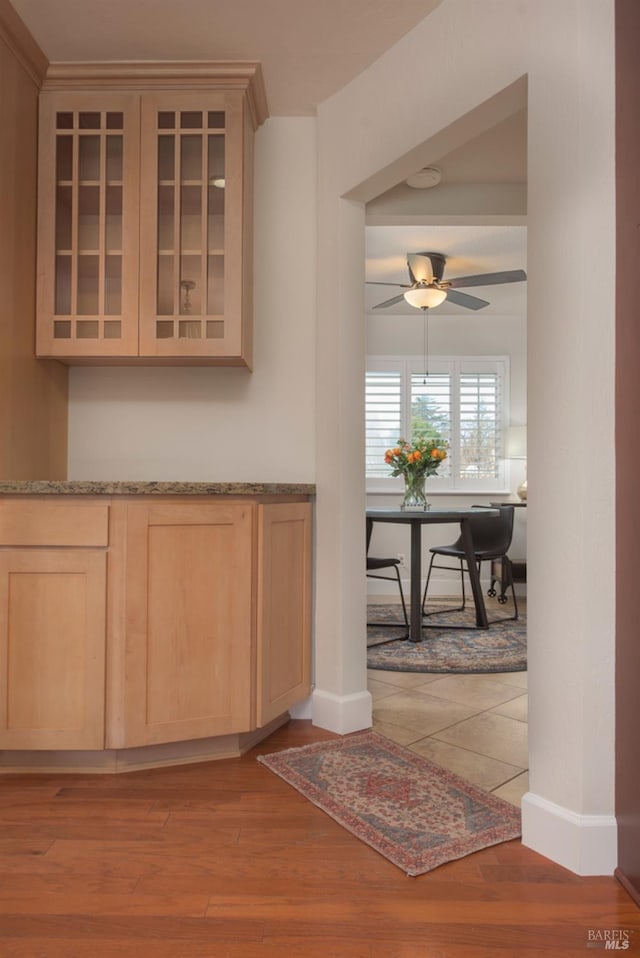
420 268
390 302
489 279
373 282
463 299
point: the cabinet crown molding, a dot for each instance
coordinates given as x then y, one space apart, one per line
174 75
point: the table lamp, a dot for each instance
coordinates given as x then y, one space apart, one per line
515 447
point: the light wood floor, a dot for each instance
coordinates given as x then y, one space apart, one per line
225 859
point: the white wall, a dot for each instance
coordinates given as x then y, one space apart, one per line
370 135
219 423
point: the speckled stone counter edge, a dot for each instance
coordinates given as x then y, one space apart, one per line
80 487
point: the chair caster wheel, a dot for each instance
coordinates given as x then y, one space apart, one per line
491 593
502 599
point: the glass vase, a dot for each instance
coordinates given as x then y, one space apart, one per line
414 497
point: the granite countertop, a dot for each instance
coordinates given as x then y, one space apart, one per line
80 487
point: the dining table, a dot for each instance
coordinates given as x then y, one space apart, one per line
416 520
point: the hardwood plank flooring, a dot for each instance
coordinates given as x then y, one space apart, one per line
225 860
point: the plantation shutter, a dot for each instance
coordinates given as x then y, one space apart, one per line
462 401
383 418
431 410
480 425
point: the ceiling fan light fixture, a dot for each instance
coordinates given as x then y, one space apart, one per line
425 297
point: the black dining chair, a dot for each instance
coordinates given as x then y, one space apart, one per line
374 566
491 540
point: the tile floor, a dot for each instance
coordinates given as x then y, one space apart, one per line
474 725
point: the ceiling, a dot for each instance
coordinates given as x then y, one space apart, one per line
308 51
475 216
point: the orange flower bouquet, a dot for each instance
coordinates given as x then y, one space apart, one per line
415 461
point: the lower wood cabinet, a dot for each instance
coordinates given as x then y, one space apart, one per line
52 648
284 608
188 632
175 620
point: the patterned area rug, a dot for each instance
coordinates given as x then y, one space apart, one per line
413 812
500 648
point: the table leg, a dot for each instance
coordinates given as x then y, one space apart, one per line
478 600
415 618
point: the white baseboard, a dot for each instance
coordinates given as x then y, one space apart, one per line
585 844
303 710
342 713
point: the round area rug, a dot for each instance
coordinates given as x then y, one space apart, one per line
500 648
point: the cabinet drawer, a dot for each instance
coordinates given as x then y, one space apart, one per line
37 523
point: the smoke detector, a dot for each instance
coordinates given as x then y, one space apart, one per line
425 179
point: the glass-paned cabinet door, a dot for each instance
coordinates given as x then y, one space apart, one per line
88 225
192 240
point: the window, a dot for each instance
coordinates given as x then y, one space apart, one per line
461 400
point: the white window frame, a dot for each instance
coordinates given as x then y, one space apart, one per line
407 366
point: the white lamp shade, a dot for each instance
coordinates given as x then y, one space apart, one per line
425 297
515 442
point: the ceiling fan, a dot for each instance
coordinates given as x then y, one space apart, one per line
428 288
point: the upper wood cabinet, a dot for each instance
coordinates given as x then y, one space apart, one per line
145 213
88 225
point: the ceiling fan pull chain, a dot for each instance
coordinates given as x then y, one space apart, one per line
425 344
